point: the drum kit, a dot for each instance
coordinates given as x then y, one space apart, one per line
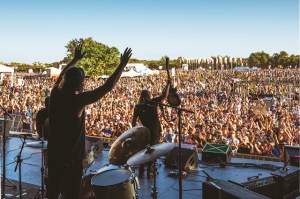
117 179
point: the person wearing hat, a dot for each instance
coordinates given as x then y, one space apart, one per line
66 144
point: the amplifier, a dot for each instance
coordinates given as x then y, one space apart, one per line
220 189
266 186
287 179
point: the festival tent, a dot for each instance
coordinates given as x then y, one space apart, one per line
241 68
131 73
254 68
53 72
147 71
4 70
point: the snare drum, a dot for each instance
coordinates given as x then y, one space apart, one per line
116 183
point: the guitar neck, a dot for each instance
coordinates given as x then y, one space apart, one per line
167 67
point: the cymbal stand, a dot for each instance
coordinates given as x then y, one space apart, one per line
179 111
3 195
19 163
154 170
41 192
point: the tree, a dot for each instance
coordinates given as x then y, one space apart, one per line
283 59
260 59
275 60
99 58
294 61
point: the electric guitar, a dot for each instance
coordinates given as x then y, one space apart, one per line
173 98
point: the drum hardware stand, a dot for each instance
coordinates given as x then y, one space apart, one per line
41 192
154 170
3 195
179 111
19 163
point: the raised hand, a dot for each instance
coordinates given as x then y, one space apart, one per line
125 56
78 54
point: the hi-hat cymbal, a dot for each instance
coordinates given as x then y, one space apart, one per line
151 153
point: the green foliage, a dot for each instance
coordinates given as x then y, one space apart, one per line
99 59
260 59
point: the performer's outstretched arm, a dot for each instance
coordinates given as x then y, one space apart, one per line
77 57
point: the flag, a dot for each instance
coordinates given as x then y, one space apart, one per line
230 60
225 60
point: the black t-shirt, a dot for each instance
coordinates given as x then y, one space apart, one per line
67 137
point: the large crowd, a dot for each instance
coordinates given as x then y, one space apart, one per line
255 112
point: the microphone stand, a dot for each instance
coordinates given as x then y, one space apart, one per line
4 155
19 163
41 192
179 111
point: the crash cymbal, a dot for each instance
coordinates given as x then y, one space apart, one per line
151 153
37 144
127 144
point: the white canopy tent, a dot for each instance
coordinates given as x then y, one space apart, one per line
131 73
147 71
4 70
53 72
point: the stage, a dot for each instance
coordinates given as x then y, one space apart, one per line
238 170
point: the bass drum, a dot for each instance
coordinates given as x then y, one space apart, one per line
87 188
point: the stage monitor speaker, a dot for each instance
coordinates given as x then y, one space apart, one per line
189 157
216 152
220 189
291 155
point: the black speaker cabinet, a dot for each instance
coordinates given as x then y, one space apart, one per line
220 189
291 155
266 186
288 181
189 157
215 152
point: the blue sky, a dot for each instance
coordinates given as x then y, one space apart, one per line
33 30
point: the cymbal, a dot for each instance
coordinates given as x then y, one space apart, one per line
20 133
127 144
37 144
151 153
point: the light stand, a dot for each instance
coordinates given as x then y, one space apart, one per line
4 155
41 192
19 163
